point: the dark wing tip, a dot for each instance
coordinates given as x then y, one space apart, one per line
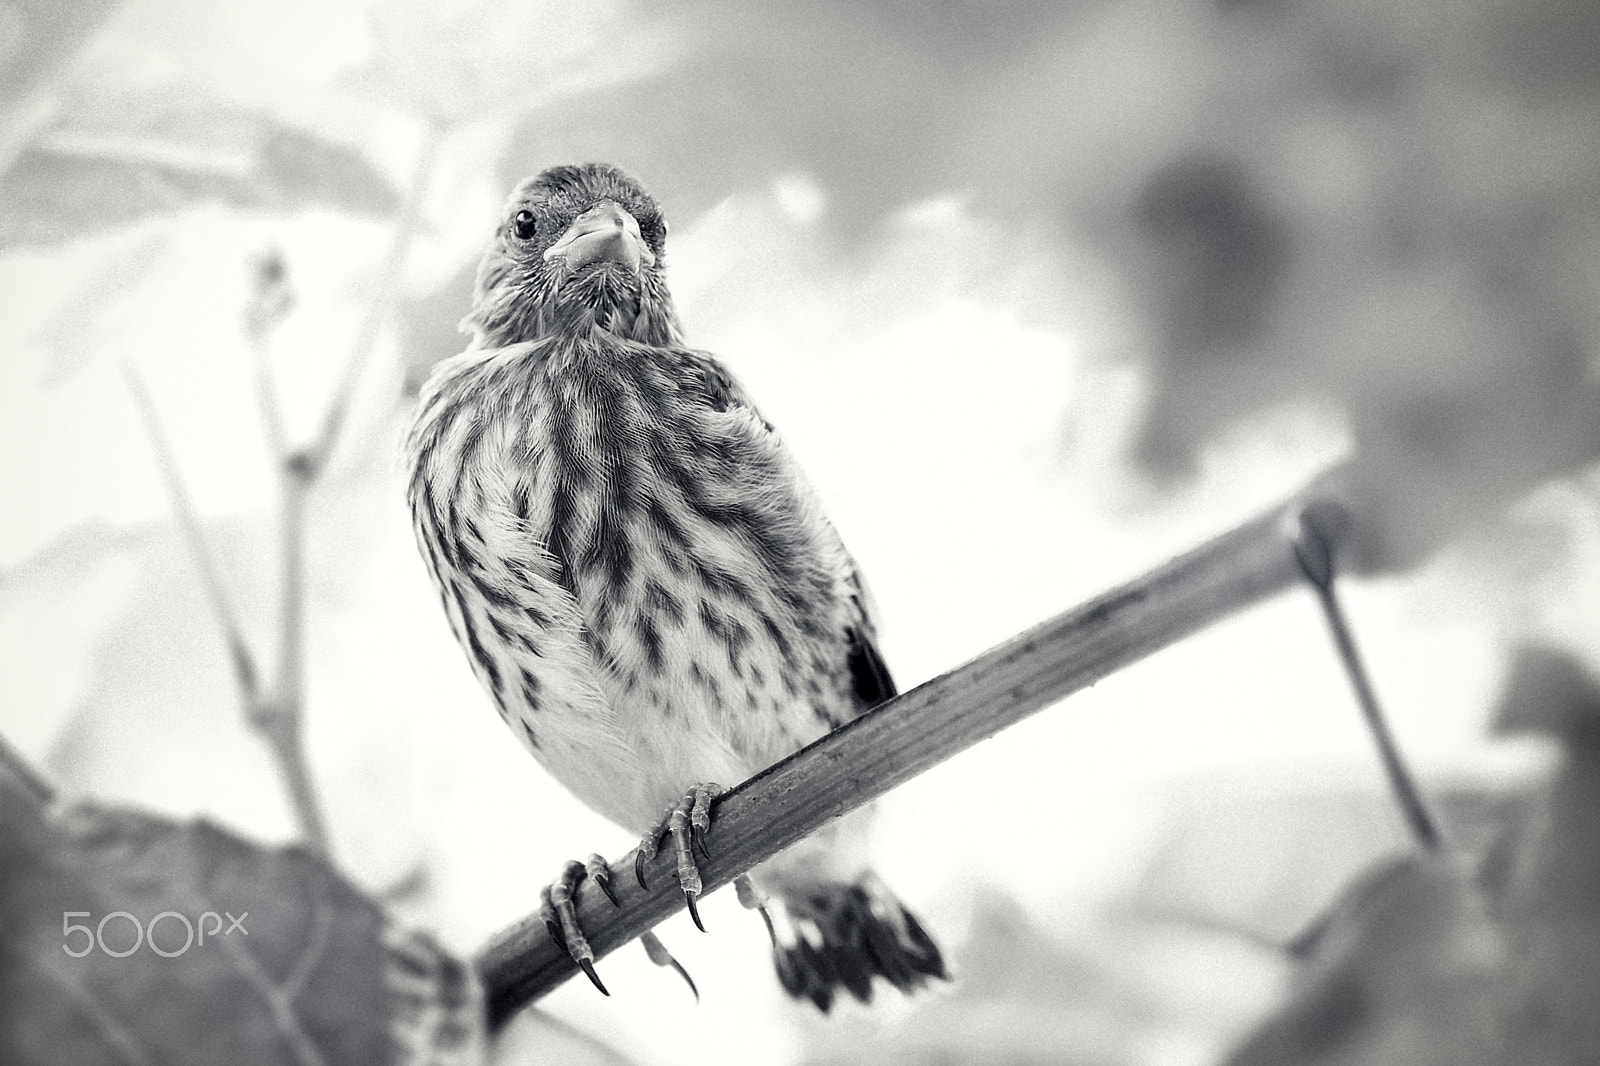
868 671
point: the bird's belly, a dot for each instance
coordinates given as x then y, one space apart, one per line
701 716
717 634
705 687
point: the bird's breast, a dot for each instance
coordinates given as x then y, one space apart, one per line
706 587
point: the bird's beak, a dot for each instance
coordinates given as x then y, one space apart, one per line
604 233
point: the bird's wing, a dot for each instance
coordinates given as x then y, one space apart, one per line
869 674
868 671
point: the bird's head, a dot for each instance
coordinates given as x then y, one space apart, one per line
578 248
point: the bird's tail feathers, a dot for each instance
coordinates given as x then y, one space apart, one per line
841 935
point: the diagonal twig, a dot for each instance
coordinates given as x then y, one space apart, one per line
275 722
900 739
264 713
1315 548
244 665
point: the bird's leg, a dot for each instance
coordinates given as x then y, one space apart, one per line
659 955
752 898
687 820
561 917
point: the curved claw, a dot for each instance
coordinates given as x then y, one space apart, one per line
676 965
588 968
561 919
662 957
599 871
694 912
700 815
638 868
697 841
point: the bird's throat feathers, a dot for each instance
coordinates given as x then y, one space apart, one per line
600 298
603 299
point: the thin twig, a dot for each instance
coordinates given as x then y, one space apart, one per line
902 738
298 471
383 298
1315 550
259 333
244 664
274 720
286 703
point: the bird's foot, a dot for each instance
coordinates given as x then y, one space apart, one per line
560 914
687 820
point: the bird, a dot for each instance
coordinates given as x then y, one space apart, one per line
642 577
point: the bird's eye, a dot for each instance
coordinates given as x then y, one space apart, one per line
523 225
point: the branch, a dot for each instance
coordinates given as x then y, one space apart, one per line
283 711
900 739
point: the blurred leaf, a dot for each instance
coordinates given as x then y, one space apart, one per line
1483 957
1408 967
1549 691
37 38
312 972
458 62
1262 861
1552 897
39 35
110 163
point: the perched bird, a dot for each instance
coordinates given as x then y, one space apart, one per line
640 574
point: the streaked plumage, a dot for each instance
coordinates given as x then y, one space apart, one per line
638 571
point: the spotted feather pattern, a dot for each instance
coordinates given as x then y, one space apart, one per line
636 569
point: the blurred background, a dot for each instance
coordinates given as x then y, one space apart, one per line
1040 293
